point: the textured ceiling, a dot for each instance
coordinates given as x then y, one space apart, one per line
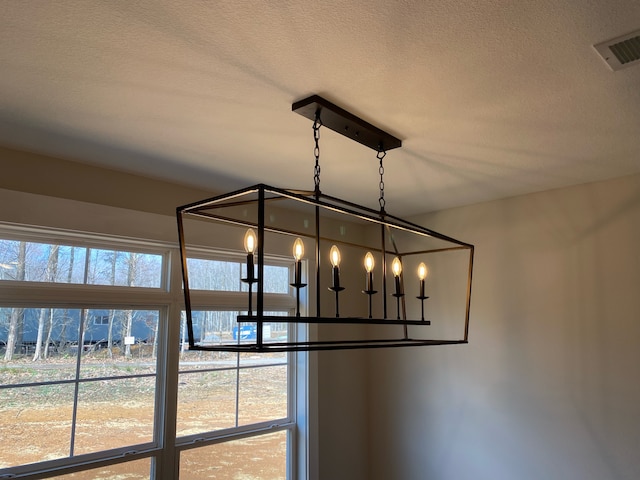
491 98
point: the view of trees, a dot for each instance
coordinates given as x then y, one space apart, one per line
44 262
43 331
52 263
223 275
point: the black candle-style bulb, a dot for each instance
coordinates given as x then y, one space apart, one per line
298 252
336 277
298 272
250 244
250 269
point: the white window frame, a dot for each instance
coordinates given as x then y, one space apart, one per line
100 319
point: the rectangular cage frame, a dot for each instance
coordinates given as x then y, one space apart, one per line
208 209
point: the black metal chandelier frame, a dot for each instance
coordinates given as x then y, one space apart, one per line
327 114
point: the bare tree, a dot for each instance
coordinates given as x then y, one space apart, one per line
65 314
38 350
17 314
154 326
132 270
49 333
112 317
50 276
111 312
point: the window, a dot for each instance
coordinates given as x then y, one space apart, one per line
101 319
70 382
223 394
201 463
84 390
85 327
224 275
26 261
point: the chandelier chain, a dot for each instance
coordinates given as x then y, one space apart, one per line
380 156
316 151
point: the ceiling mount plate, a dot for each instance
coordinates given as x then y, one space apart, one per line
346 123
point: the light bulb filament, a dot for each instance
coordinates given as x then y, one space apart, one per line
422 271
298 249
396 267
250 241
334 256
369 262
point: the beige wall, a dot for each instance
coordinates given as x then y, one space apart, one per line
549 387
29 172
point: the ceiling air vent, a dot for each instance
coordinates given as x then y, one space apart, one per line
621 52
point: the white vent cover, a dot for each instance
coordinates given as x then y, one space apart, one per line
621 52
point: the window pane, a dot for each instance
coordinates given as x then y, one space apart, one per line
213 275
119 342
50 262
110 413
222 275
216 327
276 279
263 394
136 470
41 343
272 332
262 457
41 262
128 269
206 401
35 423
210 327
114 413
202 360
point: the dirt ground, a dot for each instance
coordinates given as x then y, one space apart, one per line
35 422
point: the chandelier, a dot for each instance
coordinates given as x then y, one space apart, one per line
361 260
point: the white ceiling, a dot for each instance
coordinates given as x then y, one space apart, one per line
491 98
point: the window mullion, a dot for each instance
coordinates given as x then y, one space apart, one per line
166 463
